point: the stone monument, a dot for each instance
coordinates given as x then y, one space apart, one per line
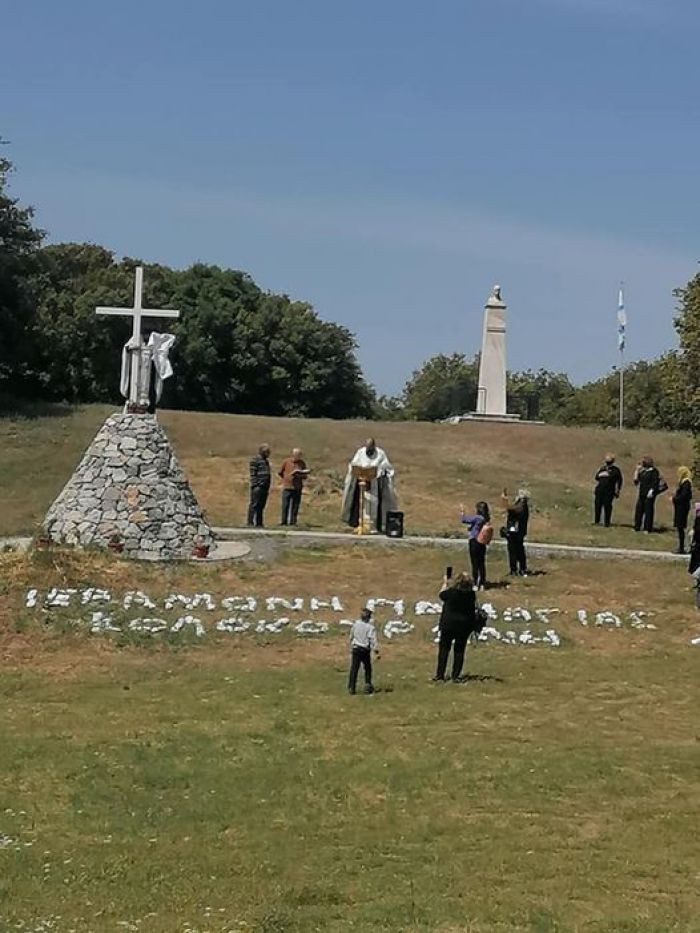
129 493
491 401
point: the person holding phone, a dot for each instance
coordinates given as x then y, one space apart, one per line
457 622
517 521
480 536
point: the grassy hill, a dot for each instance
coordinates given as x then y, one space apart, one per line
160 785
438 466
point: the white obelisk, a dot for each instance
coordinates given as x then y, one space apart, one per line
491 394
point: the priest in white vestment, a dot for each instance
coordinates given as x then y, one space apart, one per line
380 496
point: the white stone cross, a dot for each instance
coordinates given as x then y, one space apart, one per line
137 312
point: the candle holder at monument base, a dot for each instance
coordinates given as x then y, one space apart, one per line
365 476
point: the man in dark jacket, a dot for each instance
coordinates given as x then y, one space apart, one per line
649 484
259 485
608 484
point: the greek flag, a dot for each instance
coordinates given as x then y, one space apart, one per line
621 321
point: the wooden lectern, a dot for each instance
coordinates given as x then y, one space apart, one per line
363 475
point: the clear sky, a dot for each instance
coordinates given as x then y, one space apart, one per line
387 160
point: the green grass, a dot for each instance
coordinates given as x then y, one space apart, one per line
233 785
438 466
176 798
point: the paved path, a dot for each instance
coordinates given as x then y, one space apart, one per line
537 550
19 543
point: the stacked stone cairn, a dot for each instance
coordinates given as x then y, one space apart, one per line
129 494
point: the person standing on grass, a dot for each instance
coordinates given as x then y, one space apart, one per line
480 535
608 485
293 472
363 641
649 484
681 499
694 563
516 527
259 485
457 622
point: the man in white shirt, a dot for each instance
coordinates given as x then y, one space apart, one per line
363 641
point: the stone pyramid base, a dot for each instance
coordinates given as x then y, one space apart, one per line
130 494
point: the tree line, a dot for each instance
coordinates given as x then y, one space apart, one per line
238 348
657 394
242 349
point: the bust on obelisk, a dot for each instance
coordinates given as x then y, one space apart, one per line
491 399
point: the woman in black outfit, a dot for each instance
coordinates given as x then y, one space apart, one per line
457 622
517 521
681 499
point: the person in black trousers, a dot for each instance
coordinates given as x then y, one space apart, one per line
363 641
649 484
457 622
517 521
608 485
260 477
681 499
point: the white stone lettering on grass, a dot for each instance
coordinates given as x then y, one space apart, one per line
137 598
397 627
637 619
58 597
148 626
311 627
425 608
93 594
346 622
198 601
31 599
398 607
187 622
102 622
553 638
542 615
233 624
695 641
272 628
334 604
273 603
239 603
491 613
518 614
582 616
608 618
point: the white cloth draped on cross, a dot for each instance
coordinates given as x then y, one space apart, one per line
137 357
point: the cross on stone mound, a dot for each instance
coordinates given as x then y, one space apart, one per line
129 493
140 360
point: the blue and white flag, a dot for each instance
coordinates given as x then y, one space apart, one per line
621 321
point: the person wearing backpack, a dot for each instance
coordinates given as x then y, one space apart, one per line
480 536
458 619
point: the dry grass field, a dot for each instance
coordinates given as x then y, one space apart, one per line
228 783
438 466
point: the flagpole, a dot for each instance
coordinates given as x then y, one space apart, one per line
621 340
622 388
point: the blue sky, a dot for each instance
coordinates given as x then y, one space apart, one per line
387 161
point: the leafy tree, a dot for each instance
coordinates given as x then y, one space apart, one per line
685 380
539 395
239 349
18 241
443 386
